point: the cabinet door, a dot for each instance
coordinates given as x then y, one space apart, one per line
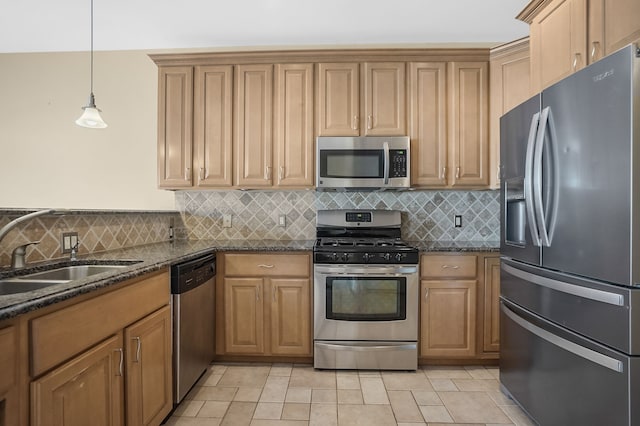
509 71
492 304
149 377
88 390
9 365
448 318
212 125
293 133
558 37
612 25
428 123
290 316
244 315
175 109
468 124
338 99
384 99
253 122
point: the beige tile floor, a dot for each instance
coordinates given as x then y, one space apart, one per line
296 394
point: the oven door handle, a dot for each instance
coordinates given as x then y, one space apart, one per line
367 270
361 347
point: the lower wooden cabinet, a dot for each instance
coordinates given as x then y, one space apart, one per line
459 306
149 377
9 366
105 360
266 304
86 390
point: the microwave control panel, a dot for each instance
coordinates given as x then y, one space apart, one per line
398 166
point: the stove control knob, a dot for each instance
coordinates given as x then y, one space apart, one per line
334 256
366 256
345 257
398 257
386 256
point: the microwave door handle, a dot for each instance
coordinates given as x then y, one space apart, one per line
528 177
385 146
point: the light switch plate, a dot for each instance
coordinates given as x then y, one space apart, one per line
226 221
69 240
282 220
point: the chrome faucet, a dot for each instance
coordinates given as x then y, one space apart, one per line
19 253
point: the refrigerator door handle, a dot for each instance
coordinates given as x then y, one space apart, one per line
581 351
537 179
576 290
528 181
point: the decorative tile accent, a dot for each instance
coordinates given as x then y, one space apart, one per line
97 232
426 215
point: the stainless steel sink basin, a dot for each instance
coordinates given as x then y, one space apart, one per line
13 286
70 273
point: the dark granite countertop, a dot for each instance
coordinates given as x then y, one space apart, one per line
153 257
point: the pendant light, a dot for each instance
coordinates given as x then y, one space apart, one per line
91 116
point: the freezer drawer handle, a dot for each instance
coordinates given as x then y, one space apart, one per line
581 351
576 290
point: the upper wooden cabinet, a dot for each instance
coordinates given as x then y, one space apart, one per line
566 35
612 25
449 124
293 125
212 143
175 127
253 114
382 102
509 70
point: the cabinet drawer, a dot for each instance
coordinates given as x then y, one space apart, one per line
448 266
8 358
250 265
58 336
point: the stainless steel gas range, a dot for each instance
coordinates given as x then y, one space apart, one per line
366 292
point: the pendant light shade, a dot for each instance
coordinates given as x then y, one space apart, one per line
91 116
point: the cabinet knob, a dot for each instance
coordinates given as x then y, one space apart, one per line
137 339
354 125
187 173
267 173
121 361
370 122
444 173
576 58
281 172
594 49
202 173
458 172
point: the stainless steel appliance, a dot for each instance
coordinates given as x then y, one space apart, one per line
365 292
570 246
192 302
363 163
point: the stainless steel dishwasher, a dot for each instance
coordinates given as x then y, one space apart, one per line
192 301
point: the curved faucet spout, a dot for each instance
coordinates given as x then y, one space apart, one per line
9 226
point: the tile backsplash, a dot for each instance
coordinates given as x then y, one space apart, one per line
426 215
97 231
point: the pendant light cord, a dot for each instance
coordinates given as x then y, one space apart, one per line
92 47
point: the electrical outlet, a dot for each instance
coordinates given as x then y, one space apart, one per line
226 221
457 221
69 240
282 220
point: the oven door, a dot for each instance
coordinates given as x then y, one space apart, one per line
366 302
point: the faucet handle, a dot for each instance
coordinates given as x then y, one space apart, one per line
74 250
19 253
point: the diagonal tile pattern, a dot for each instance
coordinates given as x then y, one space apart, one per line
426 215
293 394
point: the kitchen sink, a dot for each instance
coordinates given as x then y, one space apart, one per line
70 273
13 286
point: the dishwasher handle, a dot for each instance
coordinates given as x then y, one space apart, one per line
191 274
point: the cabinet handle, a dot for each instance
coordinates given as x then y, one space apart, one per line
498 173
273 291
267 173
137 339
450 267
444 173
576 57
458 172
354 125
121 360
202 173
594 48
426 294
257 294
262 265
370 122
281 172
187 172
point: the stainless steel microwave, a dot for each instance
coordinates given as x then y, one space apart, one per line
363 163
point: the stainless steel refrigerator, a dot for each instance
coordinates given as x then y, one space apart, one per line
570 247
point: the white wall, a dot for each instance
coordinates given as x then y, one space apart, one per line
48 161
